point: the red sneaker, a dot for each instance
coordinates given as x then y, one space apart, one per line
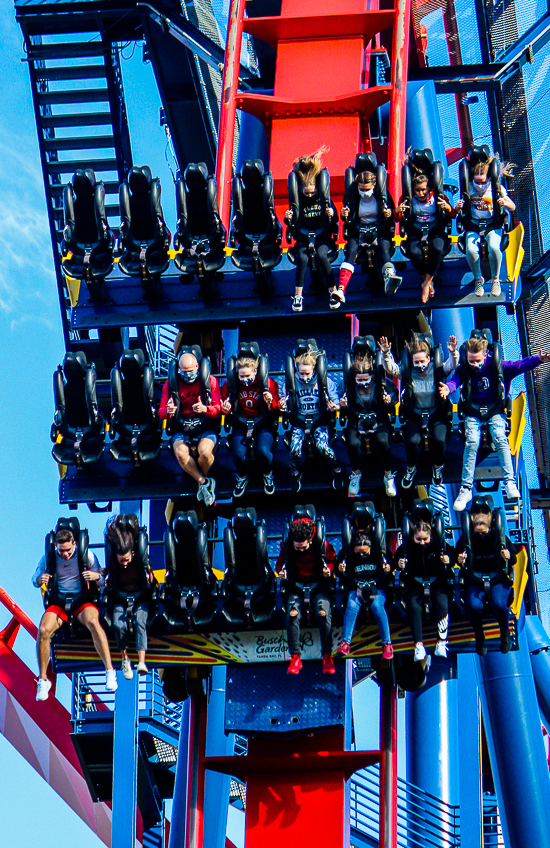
294 665
387 653
343 649
328 664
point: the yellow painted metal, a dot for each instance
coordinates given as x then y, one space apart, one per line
73 287
160 575
518 423
515 254
520 581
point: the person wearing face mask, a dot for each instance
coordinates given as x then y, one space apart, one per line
368 403
486 402
486 558
196 423
368 220
310 401
420 397
253 411
312 221
424 220
480 223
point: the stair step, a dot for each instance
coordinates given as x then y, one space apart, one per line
57 189
67 50
72 72
92 119
84 143
98 165
90 95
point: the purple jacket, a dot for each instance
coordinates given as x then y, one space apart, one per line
483 383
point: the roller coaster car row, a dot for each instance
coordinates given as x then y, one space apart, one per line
142 245
249 597
367 409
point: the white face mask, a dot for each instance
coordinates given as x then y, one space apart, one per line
365 380
480 189
368 193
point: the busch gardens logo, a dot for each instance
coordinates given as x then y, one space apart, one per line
276 645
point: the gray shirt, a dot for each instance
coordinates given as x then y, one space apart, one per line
68 573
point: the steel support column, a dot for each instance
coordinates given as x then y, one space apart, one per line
125 763
388 766
516 749
539 650
216 786
186 827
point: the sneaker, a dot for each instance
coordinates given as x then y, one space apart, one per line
344 648
495 288
391 280
389 485
419 652
338 480
110 680
511 490
387 653
337 298
297 306
294 665
240 485
437 475
408 478
269 484
127 670
463 499
441 649
354 485
505 642
296 483
207 492
43 689
142 668
328 664
479 289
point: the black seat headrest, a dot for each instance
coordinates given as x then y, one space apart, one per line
422 510
72 524
75 364
482 503
363 515
304 511
84 183
426 337
482 334
479 153
140 179
365 162
244 521
194 350
303 345
363 345
132 363
423 160
251 349
185 526
196 176
252 173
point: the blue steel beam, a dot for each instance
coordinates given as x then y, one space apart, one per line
216 786
539 649
125 760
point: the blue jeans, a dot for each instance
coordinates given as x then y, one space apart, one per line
473 241
377 608
497 429
263 443
498 604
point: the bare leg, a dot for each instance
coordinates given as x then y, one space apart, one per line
49 625
141 656
186 461
89 617
206 455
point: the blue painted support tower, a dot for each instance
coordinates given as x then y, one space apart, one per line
469 745
186 824
432 733
512 726
539 649
125 763
216 785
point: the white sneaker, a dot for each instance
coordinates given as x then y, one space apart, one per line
207 491
297 303
419 652
463 498
441 649
389 485
337 297
127 670
478 287
44 687
142 668
354 485
495 288
511 490
110 680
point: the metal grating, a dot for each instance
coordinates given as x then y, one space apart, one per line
537 313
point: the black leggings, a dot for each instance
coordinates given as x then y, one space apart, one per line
414 601
380 446
437 243
383 251
302 258
438 441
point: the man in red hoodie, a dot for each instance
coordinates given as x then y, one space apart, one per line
301 564
196 422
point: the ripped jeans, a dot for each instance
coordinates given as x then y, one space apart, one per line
320 603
